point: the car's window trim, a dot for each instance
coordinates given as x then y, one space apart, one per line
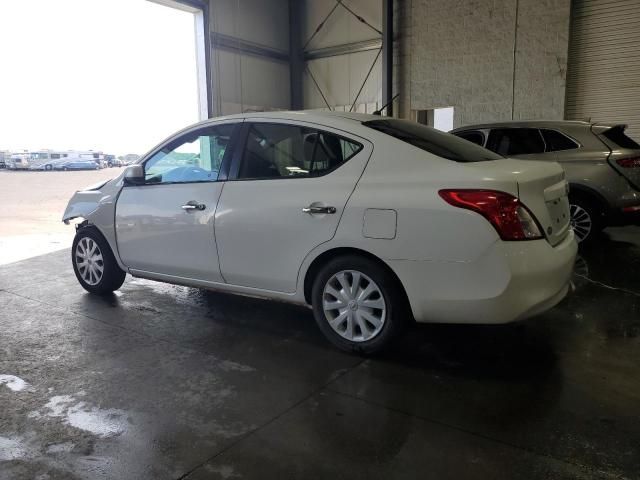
576 142
243 136
224 166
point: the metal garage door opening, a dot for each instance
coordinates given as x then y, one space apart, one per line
97 81
111 76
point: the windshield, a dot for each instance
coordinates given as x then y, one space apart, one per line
433 141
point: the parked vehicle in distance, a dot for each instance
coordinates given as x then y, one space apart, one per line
17 162
602 165
372 221
76 164
47 165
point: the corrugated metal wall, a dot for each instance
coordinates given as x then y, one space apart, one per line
603 77
341 77
243 82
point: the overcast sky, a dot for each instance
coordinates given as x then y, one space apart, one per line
111 75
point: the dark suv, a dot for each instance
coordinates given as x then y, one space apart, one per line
601 162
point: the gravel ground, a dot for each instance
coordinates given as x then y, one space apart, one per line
32 208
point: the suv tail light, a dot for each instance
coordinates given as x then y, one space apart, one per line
511 219
633 162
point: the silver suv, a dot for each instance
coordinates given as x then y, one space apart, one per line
601 162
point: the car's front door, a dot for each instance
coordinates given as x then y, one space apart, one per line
165 225
286 193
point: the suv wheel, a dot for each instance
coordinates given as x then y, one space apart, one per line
94 264
357 304
586 220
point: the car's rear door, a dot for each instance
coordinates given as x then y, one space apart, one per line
166 225
287 190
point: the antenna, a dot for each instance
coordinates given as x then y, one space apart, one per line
379 111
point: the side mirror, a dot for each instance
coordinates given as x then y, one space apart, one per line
134 175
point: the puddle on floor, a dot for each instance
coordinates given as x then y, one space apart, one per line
79 414
13 383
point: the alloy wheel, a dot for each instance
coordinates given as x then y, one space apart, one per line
89 261
354 306
581 222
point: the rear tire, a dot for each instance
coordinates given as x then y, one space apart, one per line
94 264
358 304
586 219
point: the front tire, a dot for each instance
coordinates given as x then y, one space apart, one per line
358 304
94 264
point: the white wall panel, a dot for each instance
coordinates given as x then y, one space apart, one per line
242 82
265 22
251 83
341 77
342 27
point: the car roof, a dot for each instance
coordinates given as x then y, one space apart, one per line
315 116
529 123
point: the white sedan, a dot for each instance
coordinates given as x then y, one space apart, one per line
373 221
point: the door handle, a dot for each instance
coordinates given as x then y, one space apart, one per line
189 206
316 210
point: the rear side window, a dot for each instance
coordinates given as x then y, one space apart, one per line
472 136
557 141
276 150
617 136
515 141
433 141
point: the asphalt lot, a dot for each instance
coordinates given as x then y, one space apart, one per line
32 207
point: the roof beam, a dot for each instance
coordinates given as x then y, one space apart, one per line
238 45
345 49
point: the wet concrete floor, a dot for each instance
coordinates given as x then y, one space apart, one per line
166 382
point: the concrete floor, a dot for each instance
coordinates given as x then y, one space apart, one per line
164 382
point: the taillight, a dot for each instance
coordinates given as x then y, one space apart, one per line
511 219
633 162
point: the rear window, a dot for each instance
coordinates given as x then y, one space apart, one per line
433 141
556 141
617 136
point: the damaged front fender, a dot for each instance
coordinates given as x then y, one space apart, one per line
85 203
96 206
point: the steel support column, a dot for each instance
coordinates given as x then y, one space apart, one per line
296 61
387 55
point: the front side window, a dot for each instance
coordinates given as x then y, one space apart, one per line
283 151
472 136
515 141
556 141
196 157
431 140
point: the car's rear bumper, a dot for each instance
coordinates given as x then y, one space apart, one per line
512 281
